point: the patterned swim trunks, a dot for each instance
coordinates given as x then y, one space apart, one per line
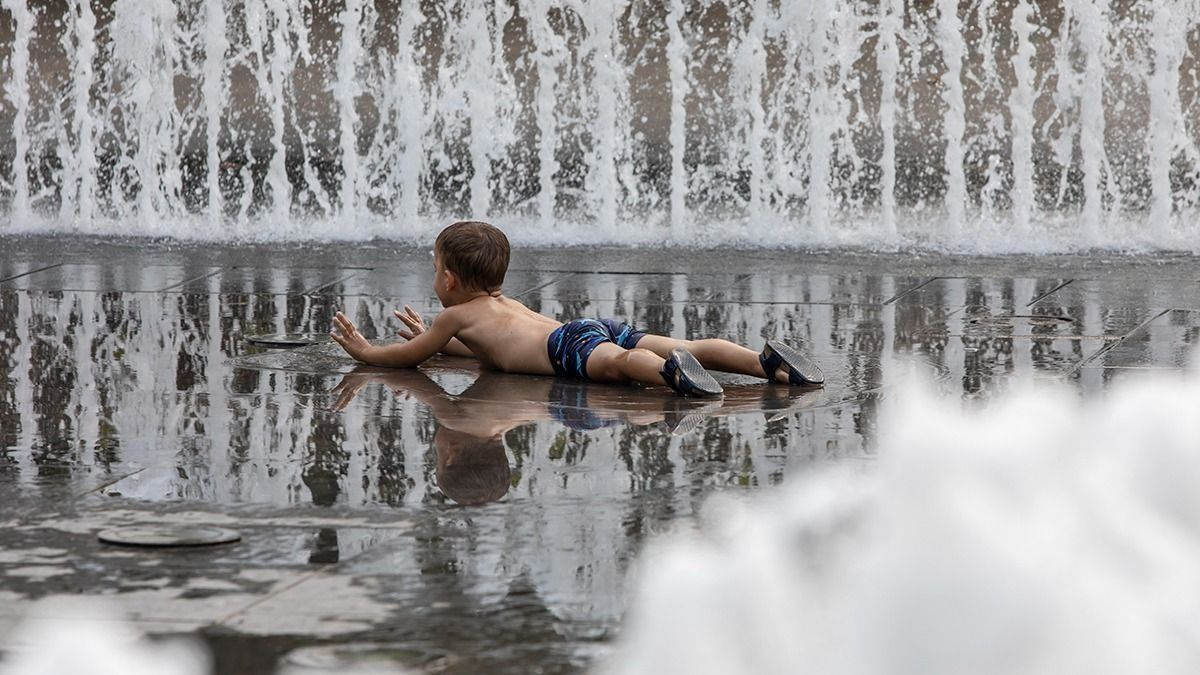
570 345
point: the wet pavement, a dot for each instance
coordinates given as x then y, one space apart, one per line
453 520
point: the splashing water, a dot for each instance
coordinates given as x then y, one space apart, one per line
1003 125
65 634
1040 535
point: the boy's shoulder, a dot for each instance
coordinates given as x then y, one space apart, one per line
467 311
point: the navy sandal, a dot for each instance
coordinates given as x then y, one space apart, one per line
801 370
683 373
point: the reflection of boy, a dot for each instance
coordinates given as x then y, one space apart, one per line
470 261
471 461
471 470
568 405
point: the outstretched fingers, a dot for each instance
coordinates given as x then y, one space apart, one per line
343 324
413 320
346 334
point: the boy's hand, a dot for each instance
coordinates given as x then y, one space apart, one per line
350 339
409 317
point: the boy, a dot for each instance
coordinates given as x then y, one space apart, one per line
470 261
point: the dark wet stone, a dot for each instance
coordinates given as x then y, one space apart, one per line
168 536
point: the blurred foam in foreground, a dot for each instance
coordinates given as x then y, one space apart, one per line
1040 535
67 635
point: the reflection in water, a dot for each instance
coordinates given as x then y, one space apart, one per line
154 395
471 465
97 382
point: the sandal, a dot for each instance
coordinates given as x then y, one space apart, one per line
683 373
801 370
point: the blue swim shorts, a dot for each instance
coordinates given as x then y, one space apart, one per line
570 345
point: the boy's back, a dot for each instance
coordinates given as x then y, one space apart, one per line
503 334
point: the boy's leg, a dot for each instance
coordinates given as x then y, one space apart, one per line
713 353
610 363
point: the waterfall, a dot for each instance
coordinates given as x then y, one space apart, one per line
410 109
1002 125
345 91
549 52
752 69
1169 40
889 66
278 71
820 120
17 91
1020 110
214 93
677 62
950 40
602 21
79 174
1094 41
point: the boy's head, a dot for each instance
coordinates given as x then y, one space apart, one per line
475 253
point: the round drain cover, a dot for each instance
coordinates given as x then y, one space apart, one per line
286 340
370 657
163 536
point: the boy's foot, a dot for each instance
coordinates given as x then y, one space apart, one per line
683 373
799 368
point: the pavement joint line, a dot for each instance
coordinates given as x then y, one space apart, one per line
914 289
1115 343
258 601
322 287
188 281
541 286
604 271
25 274
1050 292
108 484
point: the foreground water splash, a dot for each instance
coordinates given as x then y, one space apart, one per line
1001 125
72 635
1040 535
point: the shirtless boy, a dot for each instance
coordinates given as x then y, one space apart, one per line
470 261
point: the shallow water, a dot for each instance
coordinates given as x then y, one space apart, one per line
494 517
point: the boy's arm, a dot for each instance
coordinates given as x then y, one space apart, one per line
416 326
402 355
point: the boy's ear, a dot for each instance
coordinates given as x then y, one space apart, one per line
450 280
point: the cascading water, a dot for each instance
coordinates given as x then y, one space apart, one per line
1004 125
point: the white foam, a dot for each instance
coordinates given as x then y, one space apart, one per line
71 635
1040 535
978 237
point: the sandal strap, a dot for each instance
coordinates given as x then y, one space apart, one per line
770 360
794 377
670 373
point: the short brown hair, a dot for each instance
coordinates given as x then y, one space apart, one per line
476 252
